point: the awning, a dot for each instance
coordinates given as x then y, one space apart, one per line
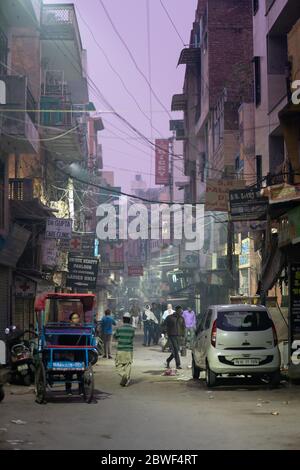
190 56
30 210
273 267
179 102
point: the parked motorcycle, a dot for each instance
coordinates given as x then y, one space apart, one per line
21 354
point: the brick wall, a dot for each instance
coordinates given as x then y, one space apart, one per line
26 58
230 49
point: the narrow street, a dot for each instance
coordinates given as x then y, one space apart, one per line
154 412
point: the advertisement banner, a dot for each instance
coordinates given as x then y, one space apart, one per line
247 204
82 273
135 271
24 288
112 256
162 161
59 228
49 253
217 193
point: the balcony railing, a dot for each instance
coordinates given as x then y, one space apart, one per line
56 112
20 189
60 22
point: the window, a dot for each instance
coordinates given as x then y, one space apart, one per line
208 320
257 83
243 321
255 6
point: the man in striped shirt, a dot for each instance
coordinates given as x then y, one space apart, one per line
124 357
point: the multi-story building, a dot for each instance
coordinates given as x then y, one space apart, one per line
19 97
218 80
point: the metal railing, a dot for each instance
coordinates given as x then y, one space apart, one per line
58 15
20 189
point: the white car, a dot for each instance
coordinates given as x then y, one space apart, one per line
236 340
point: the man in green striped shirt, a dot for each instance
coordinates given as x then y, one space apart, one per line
124 357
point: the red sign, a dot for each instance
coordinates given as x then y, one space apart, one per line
135 271
162 161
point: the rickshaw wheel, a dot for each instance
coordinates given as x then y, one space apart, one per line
88 384
40 384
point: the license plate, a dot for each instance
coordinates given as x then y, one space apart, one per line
246 362
24 367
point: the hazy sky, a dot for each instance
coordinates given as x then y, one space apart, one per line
122 148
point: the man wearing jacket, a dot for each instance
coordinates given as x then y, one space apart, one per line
174 326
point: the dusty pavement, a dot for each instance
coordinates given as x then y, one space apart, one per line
155 412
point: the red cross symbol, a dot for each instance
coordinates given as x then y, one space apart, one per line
75 243
25 287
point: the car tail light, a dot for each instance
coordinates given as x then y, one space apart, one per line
214 334
274 334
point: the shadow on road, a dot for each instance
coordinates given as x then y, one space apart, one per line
234 384
59 396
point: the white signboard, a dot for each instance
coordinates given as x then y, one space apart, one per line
59 229
49 253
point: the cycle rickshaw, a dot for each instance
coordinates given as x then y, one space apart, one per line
65 349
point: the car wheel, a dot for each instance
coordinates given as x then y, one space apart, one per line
195 369
275 379
211 377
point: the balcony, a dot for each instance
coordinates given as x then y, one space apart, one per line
179 102
64 134
18 116
60 22
62 47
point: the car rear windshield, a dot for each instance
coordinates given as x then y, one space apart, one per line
243 321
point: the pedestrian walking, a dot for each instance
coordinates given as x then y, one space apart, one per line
166 313
107 323
149 320
124 357
156 327
174 326
190 325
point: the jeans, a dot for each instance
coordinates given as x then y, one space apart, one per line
148 333
175 346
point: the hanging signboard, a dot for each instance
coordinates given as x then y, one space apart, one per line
247 204
162 161
49 253
83 273
59 228
217 193
24 288
82 244
135 271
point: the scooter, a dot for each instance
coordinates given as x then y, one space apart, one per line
20 356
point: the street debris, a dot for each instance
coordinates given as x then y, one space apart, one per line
211 397
169 373
184 377
275 413
259 404
18 421
285 402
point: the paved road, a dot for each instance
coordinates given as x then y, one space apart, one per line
155 412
